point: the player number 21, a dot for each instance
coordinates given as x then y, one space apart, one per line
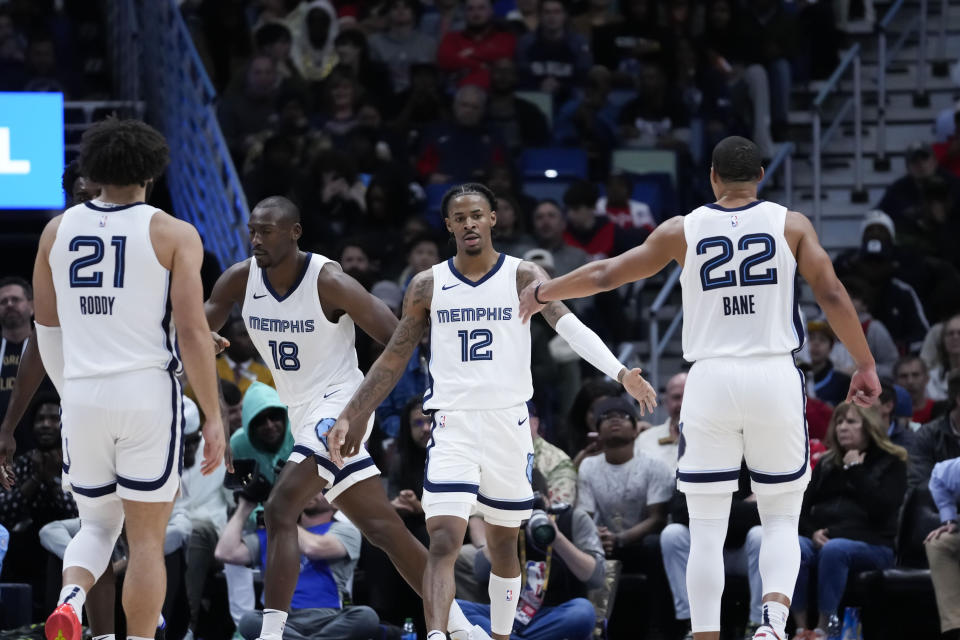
472 345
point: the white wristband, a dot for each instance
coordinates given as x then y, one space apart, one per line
50 345
588 345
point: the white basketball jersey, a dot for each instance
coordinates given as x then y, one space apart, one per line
479 349
739 283
112 293
306 353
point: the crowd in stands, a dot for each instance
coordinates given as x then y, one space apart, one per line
361 113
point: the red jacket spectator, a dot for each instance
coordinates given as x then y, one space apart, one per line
470 52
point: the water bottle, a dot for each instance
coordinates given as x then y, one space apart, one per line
409 630
833 627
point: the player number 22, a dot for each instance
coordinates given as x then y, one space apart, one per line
481 338
748 275
285 355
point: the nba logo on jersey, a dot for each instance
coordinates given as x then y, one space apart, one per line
734 220
509 595
443 421
103 221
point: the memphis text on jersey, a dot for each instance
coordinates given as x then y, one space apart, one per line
280 326
472 314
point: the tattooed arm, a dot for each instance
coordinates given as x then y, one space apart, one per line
586 343
346 436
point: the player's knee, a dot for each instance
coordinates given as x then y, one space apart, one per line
444 543
279 511
502 547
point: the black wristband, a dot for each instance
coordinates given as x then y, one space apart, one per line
536 293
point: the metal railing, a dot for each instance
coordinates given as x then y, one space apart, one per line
885 56
782 160
851 59
155 60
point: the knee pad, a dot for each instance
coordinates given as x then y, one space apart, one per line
709 514
100 524
780 546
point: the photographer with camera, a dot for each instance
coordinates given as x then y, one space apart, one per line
561 559
329 551
265 435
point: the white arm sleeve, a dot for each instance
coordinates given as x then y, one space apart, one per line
50 345
588 345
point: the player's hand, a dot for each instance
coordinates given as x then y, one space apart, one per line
8 446
641 390
528 301
219 342
819 538
864 387
411 501
214 445
343 441
949 527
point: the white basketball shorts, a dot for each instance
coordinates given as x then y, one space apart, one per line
309 422
736 408
123 436
480 460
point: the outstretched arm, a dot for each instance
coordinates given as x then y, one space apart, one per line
227 291
346 436
367 311
666 243
586 343
814 265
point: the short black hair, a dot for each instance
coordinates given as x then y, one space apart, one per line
907 359
736 159
552 202
581 193
887 392
467 189
20 282
70 174
122 152
288 210
271 33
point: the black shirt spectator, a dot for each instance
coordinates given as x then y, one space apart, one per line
521 124
554 58
243 113
938 440
620 46
903 200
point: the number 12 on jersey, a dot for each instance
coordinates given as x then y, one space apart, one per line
481 338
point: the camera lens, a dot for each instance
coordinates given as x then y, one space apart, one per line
540 529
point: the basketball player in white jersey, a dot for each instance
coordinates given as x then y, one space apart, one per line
481 453
113 277
744 395
300 310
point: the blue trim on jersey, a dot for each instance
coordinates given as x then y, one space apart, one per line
338 473
173 365
119 207
486 277
714 205
94 492
428 392
507 505
778 478
444 487
797 320
175 423
293 287
304 450
708 476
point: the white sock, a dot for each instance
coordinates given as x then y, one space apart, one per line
274 621
138 638
456 621
75 596
504 594
775 615
106 636
436 635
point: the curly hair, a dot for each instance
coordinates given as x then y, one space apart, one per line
122 152
467 189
